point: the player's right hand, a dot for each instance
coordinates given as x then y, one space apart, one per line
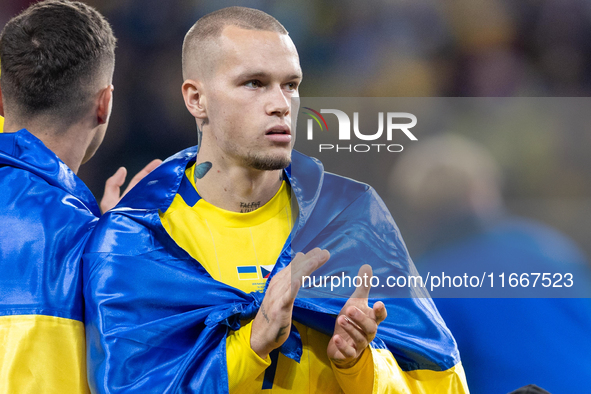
272 324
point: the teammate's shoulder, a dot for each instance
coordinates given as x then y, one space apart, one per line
24 190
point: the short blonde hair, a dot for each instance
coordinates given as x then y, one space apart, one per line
210 26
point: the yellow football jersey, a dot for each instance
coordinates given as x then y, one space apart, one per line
238 249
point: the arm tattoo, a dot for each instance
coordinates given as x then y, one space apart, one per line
264 313
281 333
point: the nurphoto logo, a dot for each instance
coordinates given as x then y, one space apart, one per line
395 122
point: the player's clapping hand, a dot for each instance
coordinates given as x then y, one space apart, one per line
272 324
112 193
357 324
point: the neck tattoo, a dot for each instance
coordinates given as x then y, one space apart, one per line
249 206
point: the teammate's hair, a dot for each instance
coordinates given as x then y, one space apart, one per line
55 55
211 25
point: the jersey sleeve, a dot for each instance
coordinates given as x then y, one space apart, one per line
358 379
377 372
244 365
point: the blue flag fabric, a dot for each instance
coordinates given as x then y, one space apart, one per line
157 322
46 218
47 215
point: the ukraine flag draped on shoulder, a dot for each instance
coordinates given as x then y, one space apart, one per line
47 215
156 321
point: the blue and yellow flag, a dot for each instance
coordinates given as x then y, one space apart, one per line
47 215
247 272
157 322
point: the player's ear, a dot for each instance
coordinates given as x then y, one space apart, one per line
194 98
105 103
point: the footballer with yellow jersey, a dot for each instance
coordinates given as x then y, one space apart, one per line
191 283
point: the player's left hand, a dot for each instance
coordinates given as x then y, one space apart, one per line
112 194
356 325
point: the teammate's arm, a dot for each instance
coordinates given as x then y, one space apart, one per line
112 193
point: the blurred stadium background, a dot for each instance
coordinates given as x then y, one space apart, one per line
395 48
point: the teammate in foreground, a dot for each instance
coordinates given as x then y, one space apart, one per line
57 66
191 284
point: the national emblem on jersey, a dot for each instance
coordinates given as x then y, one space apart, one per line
266 270
247 272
